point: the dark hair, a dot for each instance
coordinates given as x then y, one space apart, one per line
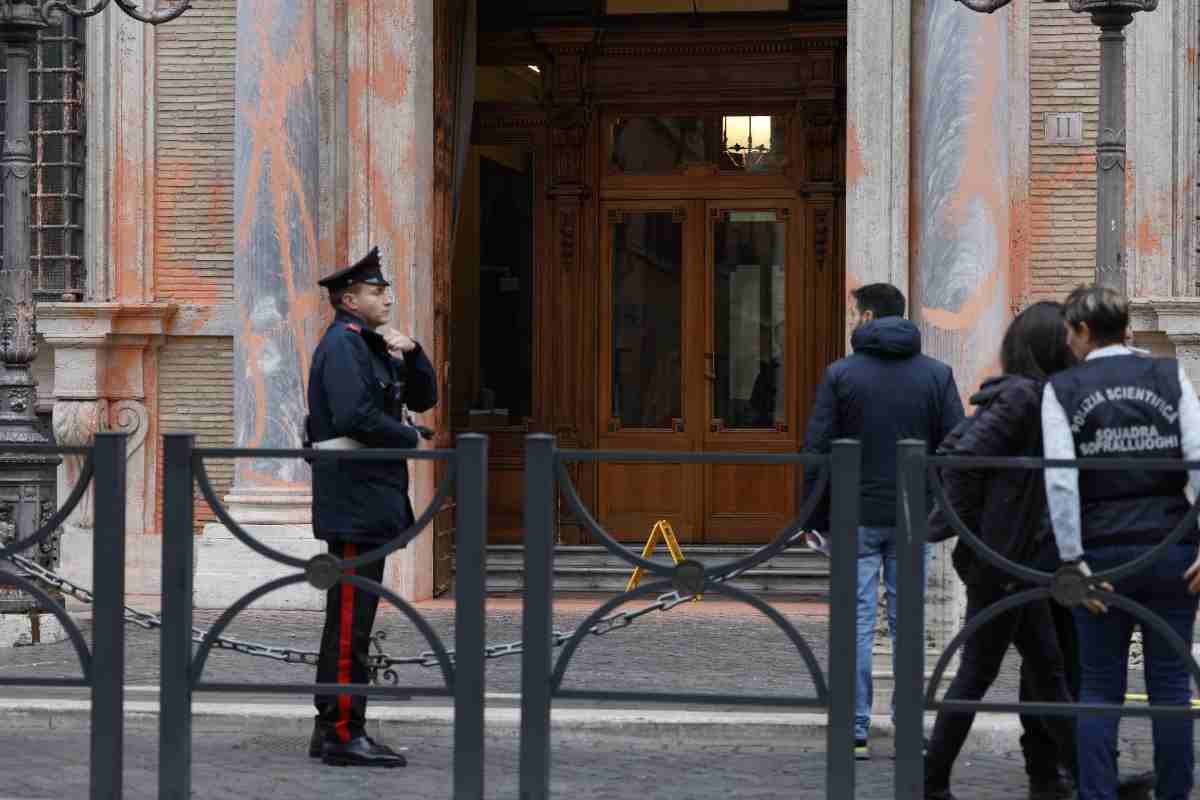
1035 344
336 295
881 299
1105 312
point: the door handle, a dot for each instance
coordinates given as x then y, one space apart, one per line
710 366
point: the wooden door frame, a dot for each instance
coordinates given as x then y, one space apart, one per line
796 69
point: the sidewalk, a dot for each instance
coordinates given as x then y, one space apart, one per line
254 746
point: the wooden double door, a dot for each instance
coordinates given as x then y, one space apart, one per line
714 321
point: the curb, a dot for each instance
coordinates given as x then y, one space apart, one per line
994 735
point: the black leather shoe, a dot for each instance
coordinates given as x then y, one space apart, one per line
1057 788
316 744
1136 787
939 794
361 752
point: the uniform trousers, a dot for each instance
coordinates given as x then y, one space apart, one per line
345 647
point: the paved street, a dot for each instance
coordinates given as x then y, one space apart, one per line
709 645
585 767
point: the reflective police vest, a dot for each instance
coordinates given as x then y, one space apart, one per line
1126 406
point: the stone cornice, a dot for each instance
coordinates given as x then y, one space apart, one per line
1174 316
79 321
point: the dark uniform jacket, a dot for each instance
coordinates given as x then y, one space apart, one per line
885 392
348 388
1126 406
1005 507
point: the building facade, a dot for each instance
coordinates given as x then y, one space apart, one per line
626 223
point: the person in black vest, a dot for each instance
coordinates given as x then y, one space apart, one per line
1007 509
361 377
1118 404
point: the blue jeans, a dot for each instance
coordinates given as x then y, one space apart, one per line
876 553
1104 657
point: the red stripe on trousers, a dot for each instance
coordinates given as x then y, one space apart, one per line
345 624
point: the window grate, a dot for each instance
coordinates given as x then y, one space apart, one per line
56 93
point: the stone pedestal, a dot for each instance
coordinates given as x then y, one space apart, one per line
226 568
104 356
23 630
1169 326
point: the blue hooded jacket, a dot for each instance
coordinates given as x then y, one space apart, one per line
885 392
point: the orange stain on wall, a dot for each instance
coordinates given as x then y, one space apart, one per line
856 167
280 80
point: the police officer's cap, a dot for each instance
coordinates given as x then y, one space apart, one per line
366 270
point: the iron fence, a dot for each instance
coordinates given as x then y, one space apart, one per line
103 664
541 677
917 469
462 669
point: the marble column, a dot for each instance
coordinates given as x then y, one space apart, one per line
276 266
962 259
390 184
878 85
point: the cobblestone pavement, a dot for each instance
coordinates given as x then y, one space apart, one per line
712 645
54 765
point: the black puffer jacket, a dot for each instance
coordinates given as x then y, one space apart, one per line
885 392
1005 507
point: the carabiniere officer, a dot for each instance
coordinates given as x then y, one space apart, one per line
362 376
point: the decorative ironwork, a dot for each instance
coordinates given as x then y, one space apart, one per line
48 9
56 139
42 146
1111 17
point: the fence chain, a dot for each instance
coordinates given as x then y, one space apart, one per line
379 664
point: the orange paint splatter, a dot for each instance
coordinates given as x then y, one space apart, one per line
1149 238
856 167
969 312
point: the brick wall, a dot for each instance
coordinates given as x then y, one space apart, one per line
194 210
1064 76
196 396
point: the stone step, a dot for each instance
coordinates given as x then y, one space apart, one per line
582 568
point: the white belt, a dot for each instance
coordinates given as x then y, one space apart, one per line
340 443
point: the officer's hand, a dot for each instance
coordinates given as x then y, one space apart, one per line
397 342
1192 576
1091 604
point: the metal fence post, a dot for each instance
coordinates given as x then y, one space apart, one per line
537 619
470 629
844 467
108 619
175 698
912 519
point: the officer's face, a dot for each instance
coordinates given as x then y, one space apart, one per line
371 304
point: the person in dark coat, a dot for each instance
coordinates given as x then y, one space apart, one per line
361 376
1007 509
884 392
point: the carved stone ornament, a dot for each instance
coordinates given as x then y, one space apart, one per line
132 418
75 424
1110 149
1078 6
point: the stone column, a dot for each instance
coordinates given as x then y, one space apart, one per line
962 217
877 142
389 85
1162 128
276 266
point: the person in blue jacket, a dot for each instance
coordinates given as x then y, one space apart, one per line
886 391
361 378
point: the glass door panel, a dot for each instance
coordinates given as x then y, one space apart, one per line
651 259
746 365
646 321
749 367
